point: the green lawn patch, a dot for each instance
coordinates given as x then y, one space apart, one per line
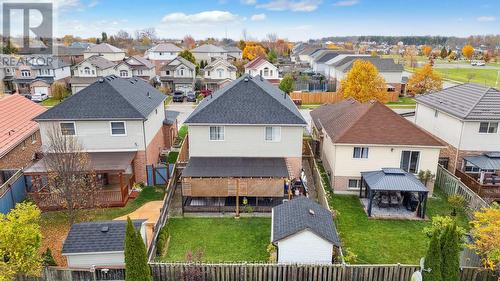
172 157
220 239
386 241
310 106
475 75
183 131
403 101
168 100
50 102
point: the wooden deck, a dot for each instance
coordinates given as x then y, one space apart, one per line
489 192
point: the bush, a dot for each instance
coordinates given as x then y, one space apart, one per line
48 259
273 254
433 259
350 256
161 241
457 202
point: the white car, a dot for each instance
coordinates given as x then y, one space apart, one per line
480 63
39 97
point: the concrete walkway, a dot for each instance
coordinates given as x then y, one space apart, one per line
150 212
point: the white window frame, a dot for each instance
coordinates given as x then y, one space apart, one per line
86 70
275 134
223 128
123 71
488 128
417 166
74 128
362 149
358 184
111 128
25 73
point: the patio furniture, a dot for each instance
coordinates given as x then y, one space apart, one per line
384 201
394 200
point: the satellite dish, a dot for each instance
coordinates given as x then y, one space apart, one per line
416 276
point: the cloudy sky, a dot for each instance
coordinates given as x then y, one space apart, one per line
292 19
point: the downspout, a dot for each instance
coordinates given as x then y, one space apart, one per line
458 147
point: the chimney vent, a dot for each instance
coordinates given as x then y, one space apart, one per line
311 212
105 229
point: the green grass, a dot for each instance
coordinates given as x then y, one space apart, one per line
480 76
220 239
310 106
168 100
182 132
172 157
50 102
386 241
403 101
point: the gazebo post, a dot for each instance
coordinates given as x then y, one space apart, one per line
370 202
424 202
361 188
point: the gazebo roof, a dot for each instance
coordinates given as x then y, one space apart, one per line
487 161
393 179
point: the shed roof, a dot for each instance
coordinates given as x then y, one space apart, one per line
301 214
487 161
96 237
393 179
236 167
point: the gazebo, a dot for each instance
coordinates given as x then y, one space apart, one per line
389 181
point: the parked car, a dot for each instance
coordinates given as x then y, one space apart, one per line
205 93
191 96
480 63
39 97
178 96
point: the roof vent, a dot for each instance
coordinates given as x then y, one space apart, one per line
261 78
246 79
311 212
105 229
101 80
149 95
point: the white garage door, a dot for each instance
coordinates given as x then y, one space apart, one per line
183 87
41 90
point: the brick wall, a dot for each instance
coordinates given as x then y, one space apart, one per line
451 152
22 155
154 147
169 134
140 166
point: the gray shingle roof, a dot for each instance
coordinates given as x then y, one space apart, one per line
208 48
220 61
88 237
382 65
235 167
171 65
143 61
300 214
165 47
247 100
393 179
83 80
466 101
327 56
109 98
232 49
104 48
99 62
488 161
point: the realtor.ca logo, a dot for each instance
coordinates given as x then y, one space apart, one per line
28 26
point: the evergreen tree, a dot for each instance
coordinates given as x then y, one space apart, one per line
136 260
8 48
104 37
433 260
444 53
186 54
450 243
286 84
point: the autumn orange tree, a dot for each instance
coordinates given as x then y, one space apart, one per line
486 232
364 83
426 50
468 51
424 80
253 50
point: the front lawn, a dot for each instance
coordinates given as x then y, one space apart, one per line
220 239
55 225
385 241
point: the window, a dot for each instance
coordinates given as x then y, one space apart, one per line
118 128
25 73
266 71
33 138
139 71
220 72
208 73
488 127
471 168
180 72
123 73
167 72
360 152
409 161
86 70
216 133
93 71
68 129
273 134
354 184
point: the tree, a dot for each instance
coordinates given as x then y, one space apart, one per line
426 50
272 57
468 51
286 84
253 50
240 66
486 232
48 259
433 260
444 53
186 54
364 83
410 56
450 243
104 37
68 39
424 80
188 42
136 260
69 172
452 56
59 91
457 203
20 240
8 49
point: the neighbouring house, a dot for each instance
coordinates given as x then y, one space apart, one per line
233 52
303 56
353 137
7 78
38 79
19 135
265 69
161 54
99 244
466 118
105 50
89 71
318 65
245 144
304 232
329 67
119 123
135 66
70 55
178 75
208 53
218 73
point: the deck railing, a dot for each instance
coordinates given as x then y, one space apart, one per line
486 191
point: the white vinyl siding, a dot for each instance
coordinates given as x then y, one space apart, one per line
273 134
305 247
216 133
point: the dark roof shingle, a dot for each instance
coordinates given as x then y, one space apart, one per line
235 167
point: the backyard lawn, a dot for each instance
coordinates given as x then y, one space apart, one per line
478 75
55 225
50 102
385 241
220 239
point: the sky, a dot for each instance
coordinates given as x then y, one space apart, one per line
295 20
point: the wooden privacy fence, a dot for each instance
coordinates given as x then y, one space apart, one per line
328 97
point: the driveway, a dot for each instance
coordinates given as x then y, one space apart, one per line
184 109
